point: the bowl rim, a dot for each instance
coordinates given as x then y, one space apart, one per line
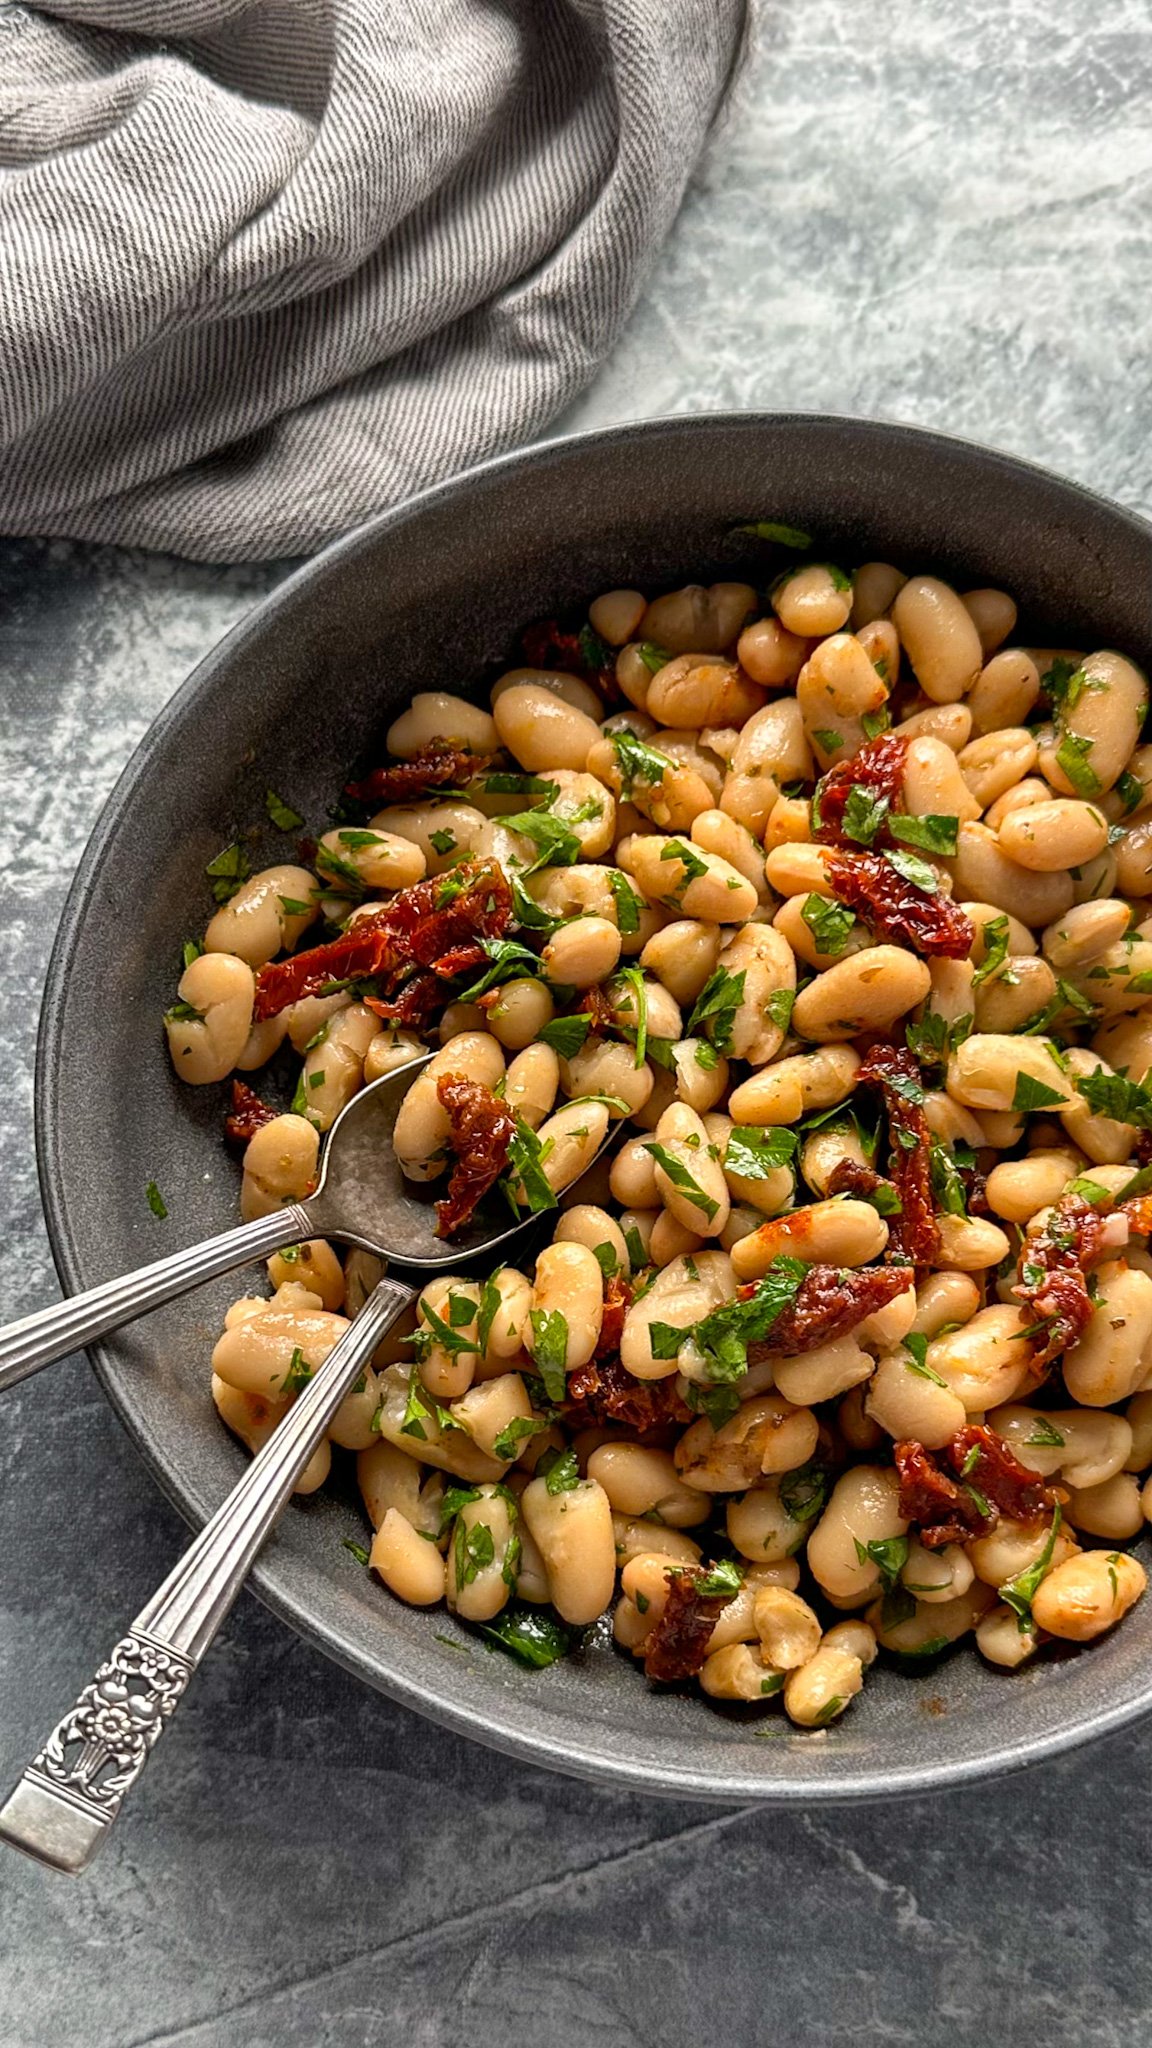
578 1759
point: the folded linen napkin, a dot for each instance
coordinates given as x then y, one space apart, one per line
269 265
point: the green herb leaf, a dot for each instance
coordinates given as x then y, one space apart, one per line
505 783
566 1035
915 871
888 1553
803 1491
595 652
557 847
1113 1095
357 1549
947 1186
474 1548
281 814
549 1349
1019 1592
653 657
531 1636
1030 1094
525 1155
829 922
864 814
779 1007
507 1443
338 869
916 1344
192 950
606 1259
1130 791
995 933
723 1337
1072 756
443 840
634 1245
560 1471
714 1012
694 867
932 833
873 723
227 871
666 1339
184 1013
720 1581
635 981
682 1179
298 1374
775 529
628 903
756 1153
156 1200
637 761
830 742
933 1039
1043 1433
508 961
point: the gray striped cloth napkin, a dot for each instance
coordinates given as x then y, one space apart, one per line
269 265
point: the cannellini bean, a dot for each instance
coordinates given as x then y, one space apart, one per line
582 952
766 1434
739 1672
434 715
997 762
570 1141
280 1163
442 831
936 1576
770 654
1051 836
489 1412
641 1481
814 600
481 1557
1013 1547
567 1303
1108 1363
939 638
933 783
334 1068
1085 1446
209 1024
970 1244
314 1265
951 723
788 1629
821 1689
541 731
688 1288
390 1480
520 1012
1139 1417
1111 1510
772 749
768 966
560 682
1014 995
981 869
1002 1639
1017 1188
717 833
449 1450
1004 691
772 1519
592 1226
259 1354
866 992
1134 859
1099 727
839 1232
574 1533
935 1624
637 1538
688 694
616 615
821 1374
699 884
944 1298
1088 1594
863 1509
993 613
633 1176
1033 790
421 1129
682 955
410 1567
266 916
389 1050
985 1071
349 858
444 1371
986 1362
697 617
531 1083
908 1404
796 1086
874 590
253 1418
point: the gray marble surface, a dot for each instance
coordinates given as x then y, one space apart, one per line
936 210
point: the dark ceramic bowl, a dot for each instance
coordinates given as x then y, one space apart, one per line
426 597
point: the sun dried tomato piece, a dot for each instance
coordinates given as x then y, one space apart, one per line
943 1511
678 1645
547 645
878 768
247 1115
829 1302
480 1130
434 925
604 1392
440 765
414 1004
897 909
848 1177
1050 1272
976 1453
617 1302
892 1069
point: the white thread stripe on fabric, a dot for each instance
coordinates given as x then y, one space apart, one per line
268 265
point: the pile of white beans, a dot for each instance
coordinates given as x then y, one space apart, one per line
749 703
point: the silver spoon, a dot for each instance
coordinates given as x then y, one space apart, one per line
64 1804
360 1200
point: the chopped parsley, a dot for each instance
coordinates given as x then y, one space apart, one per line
1072 756
828 741
638 762
1113 1095
443 840
864 814
933 1039
530 1635
653 657
888 1553
628 903
298 1374
549 1349
932 833
1043 1433
227 871
829 922
1030 1094
756 1153
282 815
156 1200
357 1549
559 1471
721 1581
996 936
193 950
635 981
916 871
566 1035
525 1169
723 1337
714 1012
508 960
1019 1592
779 1007
776 529
556 846
682 1180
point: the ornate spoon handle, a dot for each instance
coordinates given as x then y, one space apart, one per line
62 1807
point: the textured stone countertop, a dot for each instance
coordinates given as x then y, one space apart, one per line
936 210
